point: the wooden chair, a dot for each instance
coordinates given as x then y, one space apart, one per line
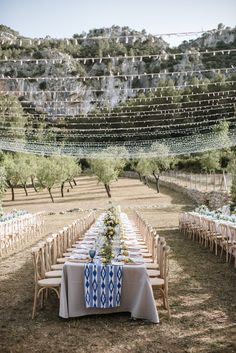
224 231
154 271
160 243
161 283
55 266
48 260
216 236
41 283
231 245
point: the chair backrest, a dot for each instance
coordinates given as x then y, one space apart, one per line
162 244
49 253
224 231
155 246
65 236
232 234
166 252
212 226
36 259
155 236
54 249
205 224
38 254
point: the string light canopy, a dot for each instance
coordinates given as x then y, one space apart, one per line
177 146
124 76
182 114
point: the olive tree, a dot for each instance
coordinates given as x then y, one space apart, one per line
23 169
154 162
232 169
12 173
48 174
32 161
2 184
107 165
69 169
143 168
210 161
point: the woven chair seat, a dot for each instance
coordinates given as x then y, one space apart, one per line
49 282
149 260
67 254
152 266
144 250
146 255
62 260
52 274
57 267
157 282
153 273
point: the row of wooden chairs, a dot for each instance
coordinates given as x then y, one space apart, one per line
18 232
158 267
210 233
47 257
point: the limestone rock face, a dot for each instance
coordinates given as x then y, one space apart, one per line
59 59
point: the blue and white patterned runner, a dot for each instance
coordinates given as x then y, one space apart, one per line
102 285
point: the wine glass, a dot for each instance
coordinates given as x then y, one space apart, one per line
92 254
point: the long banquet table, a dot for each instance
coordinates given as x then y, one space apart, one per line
136 295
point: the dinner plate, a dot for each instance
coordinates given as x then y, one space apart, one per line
134 253
79 256
80 251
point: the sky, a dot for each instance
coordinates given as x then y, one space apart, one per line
63 18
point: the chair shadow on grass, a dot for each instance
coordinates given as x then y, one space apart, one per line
204 273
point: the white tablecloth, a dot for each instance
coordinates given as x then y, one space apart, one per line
136 297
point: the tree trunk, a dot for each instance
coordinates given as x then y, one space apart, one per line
12 194
70 184
26 192
12 190
74 182
140 178
62 189
107 187
49 190
33 184
144 180
157 182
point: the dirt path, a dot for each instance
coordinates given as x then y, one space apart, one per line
202 287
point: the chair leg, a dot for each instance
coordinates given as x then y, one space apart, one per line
227 253
221 253
167 304
42 299
35 301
